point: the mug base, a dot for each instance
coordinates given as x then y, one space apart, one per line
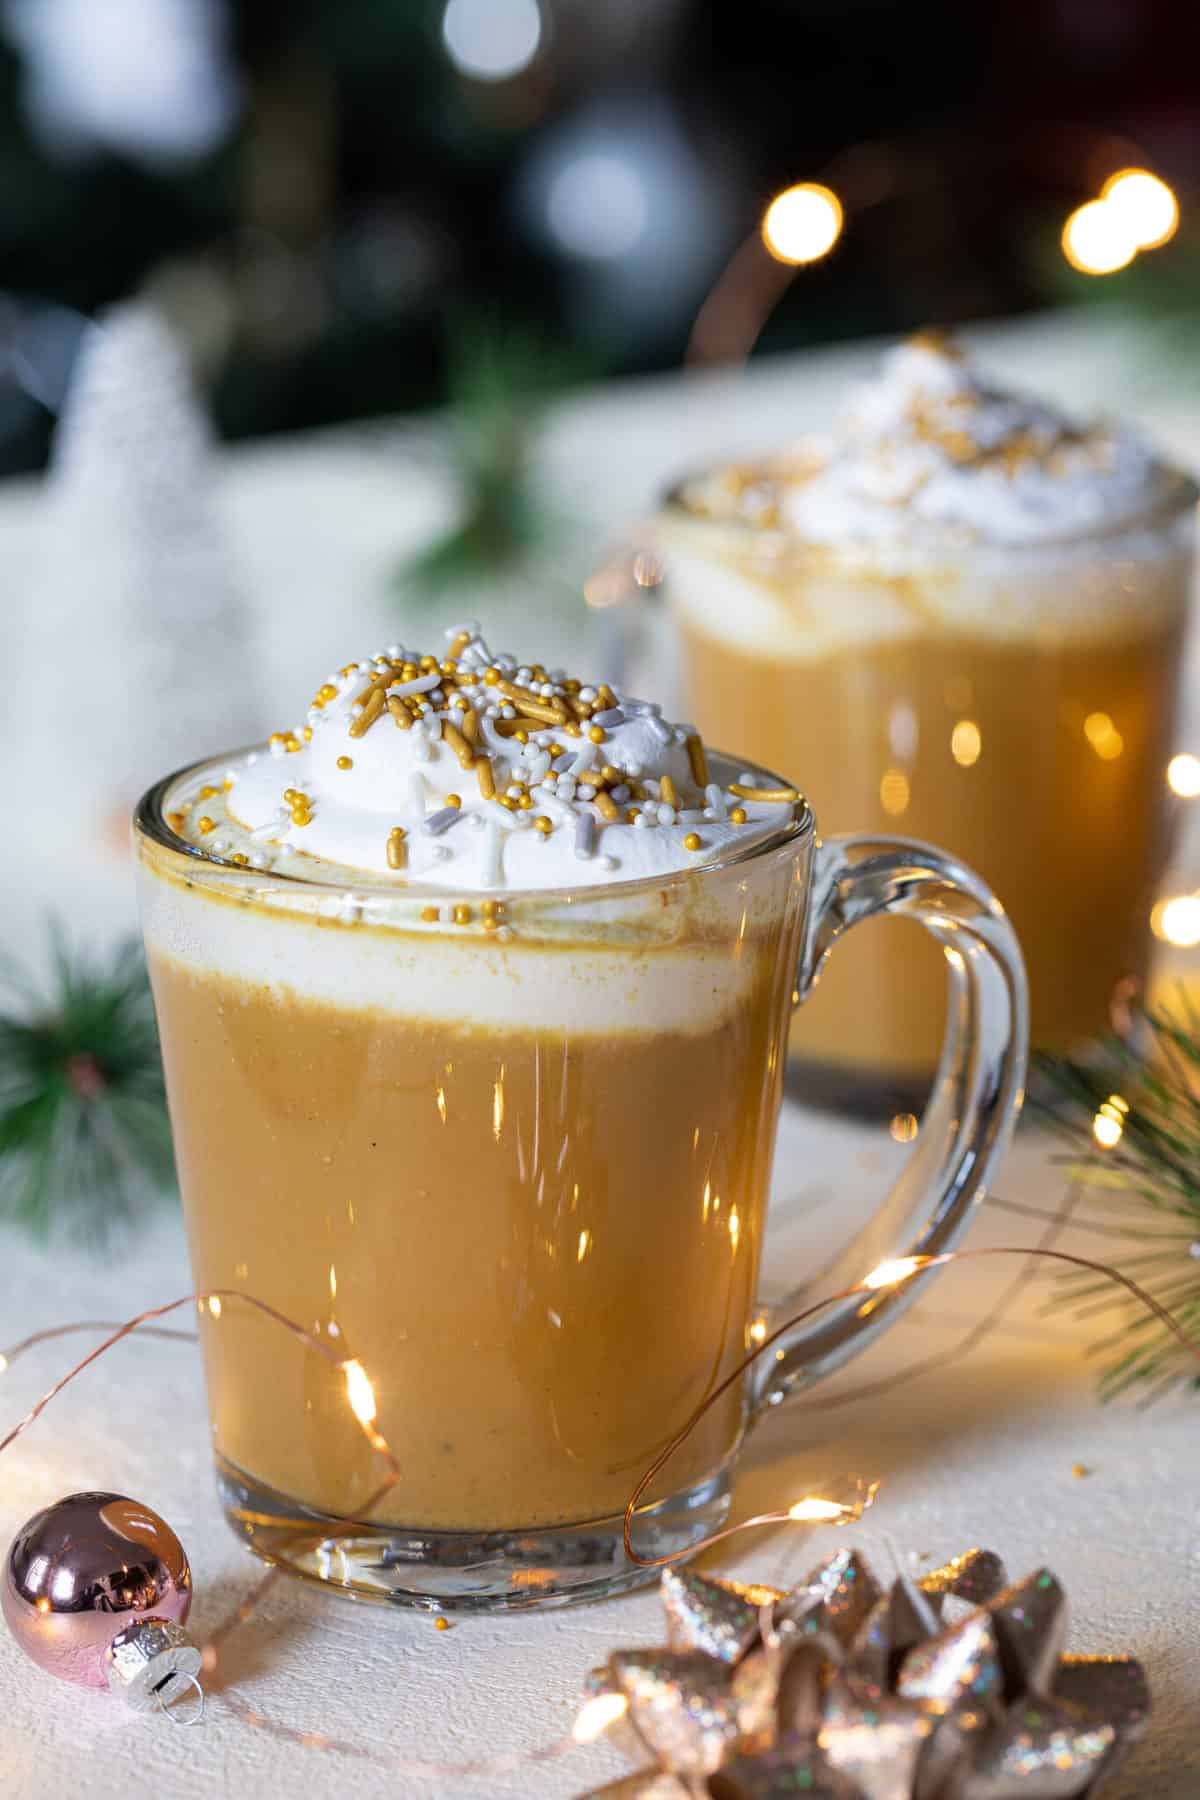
467 1571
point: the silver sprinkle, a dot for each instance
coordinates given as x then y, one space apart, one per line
620 793
658 729
612 716
585 835
562 763
442 820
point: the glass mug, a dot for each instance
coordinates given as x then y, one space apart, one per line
520 1175
1016 704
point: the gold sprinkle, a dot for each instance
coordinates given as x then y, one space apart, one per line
524 802
457 645
1080 1471
738 815
607 698
597 734
462 915
454 800
543 824
492 910
607 807
372 707
691 841
204 824
206 793
429 914
667 791
745 792
486 777
442 1624
399 712
459 745
306 734
698 760
396 849
345 762
175 820
632 813
241 859
429 665
572 730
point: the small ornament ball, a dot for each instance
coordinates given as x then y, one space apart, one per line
96 1589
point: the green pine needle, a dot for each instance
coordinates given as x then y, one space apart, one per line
85 1142
1145 1190
500 383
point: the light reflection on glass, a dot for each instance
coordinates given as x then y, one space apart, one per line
966 741
585 1244
1103 736
1177 921
1183 776
893 792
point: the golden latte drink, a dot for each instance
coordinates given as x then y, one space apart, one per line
963 620
474 991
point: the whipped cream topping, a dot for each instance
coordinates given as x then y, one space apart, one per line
927 447
474 771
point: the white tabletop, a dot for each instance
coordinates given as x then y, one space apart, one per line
978 1451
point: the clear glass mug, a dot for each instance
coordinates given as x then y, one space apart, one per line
1015 703
513 1159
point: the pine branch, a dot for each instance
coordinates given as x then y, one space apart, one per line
85 1142
1144 1092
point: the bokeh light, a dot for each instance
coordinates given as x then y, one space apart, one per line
893 792
1177 921
1146 207
1183 776
1109 1122
597 206
1103 736
1097 239
966 742
492 40
803 223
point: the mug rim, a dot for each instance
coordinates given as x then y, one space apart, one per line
149 823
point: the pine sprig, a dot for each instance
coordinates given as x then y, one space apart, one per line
85 1142
1139 1101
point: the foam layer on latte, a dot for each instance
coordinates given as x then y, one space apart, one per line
475 772
929 448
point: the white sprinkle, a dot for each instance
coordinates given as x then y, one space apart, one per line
537 767
396 651
491 874
716 801
586 791
620 793
587 693
666 814
565 788
560 763
658 730
423 684
258 860
610 863
646 709
442 853
643 822
252 759
277 749
584 758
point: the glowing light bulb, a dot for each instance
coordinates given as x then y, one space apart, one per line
1109 1122
1178 920
966 742
596 1715
492 40
802 224
891 1274
359 1392
1183 776
1097 239
817 1512
1145 206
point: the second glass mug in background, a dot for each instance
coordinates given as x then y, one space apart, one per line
521 1179
1016 704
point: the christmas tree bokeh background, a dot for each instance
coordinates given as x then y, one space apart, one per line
312 189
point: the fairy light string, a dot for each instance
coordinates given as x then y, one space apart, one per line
600 1712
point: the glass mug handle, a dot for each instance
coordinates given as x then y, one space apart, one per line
976 1096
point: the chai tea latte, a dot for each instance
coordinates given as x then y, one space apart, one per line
472 1013
962 618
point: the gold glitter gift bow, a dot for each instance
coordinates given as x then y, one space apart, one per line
844 1689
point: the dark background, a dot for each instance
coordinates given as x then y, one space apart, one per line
318 194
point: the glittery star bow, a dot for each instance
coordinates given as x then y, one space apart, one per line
953 1687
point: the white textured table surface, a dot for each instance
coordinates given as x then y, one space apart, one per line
979 1451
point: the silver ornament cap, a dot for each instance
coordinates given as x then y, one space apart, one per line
151 1664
